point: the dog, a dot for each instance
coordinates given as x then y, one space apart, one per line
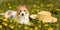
21 13
44 16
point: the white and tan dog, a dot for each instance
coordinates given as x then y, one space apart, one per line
22 14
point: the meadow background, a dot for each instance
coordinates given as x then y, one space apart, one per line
34 6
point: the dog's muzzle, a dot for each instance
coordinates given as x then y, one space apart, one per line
22 14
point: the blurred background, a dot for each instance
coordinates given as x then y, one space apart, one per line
35 6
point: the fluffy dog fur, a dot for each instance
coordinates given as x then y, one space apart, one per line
45 17
22 14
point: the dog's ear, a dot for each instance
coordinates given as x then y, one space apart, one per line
26 6
17 8
22 6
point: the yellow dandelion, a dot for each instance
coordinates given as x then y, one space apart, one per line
1 18
32 11
15 19
4 23
39 26
46 25
5 19
11 26
36 28
25 27
50 28
38 7
31 28
57 25
30 23
10 7
38 10
34 6
57 9
11 21
9 4
50 4
41 5
0 26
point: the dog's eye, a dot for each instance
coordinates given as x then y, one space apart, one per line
24 10
20 10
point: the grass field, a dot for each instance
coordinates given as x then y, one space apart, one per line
35 6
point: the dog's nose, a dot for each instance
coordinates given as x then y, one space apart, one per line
22 14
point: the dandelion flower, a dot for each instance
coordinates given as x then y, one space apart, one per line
57 9
57 25
5 23
0 26
46 25
11 26
34 6
36 28
41 5
15 19
5 19
25 27
30 23
50 28
10 7
31 28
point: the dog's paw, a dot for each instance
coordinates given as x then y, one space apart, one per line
33 16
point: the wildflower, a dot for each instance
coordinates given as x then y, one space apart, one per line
30 23
32 11
5 19
39 26
10 7
5 23
46 24
9 4
34 6
38 10
31 28
57 25
36 28
1 18
41 5
10 20
50 5
57 9
25 27
11 26
0 26
15 19
50 28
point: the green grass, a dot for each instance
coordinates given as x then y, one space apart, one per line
35 6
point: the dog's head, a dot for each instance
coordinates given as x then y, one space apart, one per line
22 10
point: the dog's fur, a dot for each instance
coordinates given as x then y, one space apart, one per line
44 16
22 14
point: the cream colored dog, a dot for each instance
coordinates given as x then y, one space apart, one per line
44 16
